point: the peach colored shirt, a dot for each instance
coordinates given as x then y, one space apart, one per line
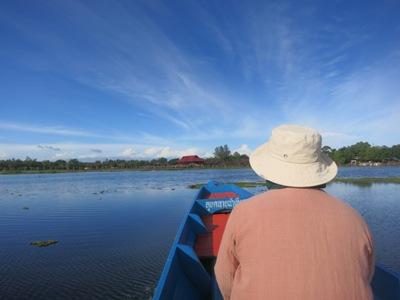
293 244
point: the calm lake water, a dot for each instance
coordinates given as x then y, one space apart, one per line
115 229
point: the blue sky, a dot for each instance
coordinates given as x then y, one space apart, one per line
144 79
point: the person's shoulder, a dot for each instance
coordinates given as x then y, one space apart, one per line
343 207
255 200
337 201
274 194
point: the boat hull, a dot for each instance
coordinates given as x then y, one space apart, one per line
188 270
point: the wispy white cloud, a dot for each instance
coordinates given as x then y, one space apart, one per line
85 151
52 130
143 65
62 131
260 65
334 139
46 147
243 149
128 152
157 152
336 134
96 150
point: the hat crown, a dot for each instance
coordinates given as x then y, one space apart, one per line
293 157
295 144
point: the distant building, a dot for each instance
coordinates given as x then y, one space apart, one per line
191 159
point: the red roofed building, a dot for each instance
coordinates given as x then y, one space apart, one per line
191 159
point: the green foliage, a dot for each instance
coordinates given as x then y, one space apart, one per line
364 152
395 152
173 161
326 149
222 153
223 158
364 181
17 165
44 243
159 161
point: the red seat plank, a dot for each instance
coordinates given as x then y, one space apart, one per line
208 245
221 195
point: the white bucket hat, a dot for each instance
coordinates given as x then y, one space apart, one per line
293 157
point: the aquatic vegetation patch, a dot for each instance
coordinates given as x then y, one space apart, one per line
368 181
245 184
44 243
362 181
105 191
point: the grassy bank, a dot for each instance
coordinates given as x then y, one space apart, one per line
165 168
119 170
354 181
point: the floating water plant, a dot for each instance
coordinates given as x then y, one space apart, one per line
44 243
367 181
362 181
244 184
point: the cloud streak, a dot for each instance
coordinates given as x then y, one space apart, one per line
103 151
45 147
51 130
217 74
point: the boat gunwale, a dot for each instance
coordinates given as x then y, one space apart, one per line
384 277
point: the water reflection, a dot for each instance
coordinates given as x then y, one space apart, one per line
115 229
379 204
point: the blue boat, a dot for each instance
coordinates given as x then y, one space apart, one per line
188 271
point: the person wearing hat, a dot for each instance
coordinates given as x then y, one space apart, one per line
295 241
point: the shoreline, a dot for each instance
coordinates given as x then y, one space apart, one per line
25 172
114 170
361 181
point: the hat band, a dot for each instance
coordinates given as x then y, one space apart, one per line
289 157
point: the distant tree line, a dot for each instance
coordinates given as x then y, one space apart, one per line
223 158
29 164
364 152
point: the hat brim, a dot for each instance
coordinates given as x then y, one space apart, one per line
292 174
